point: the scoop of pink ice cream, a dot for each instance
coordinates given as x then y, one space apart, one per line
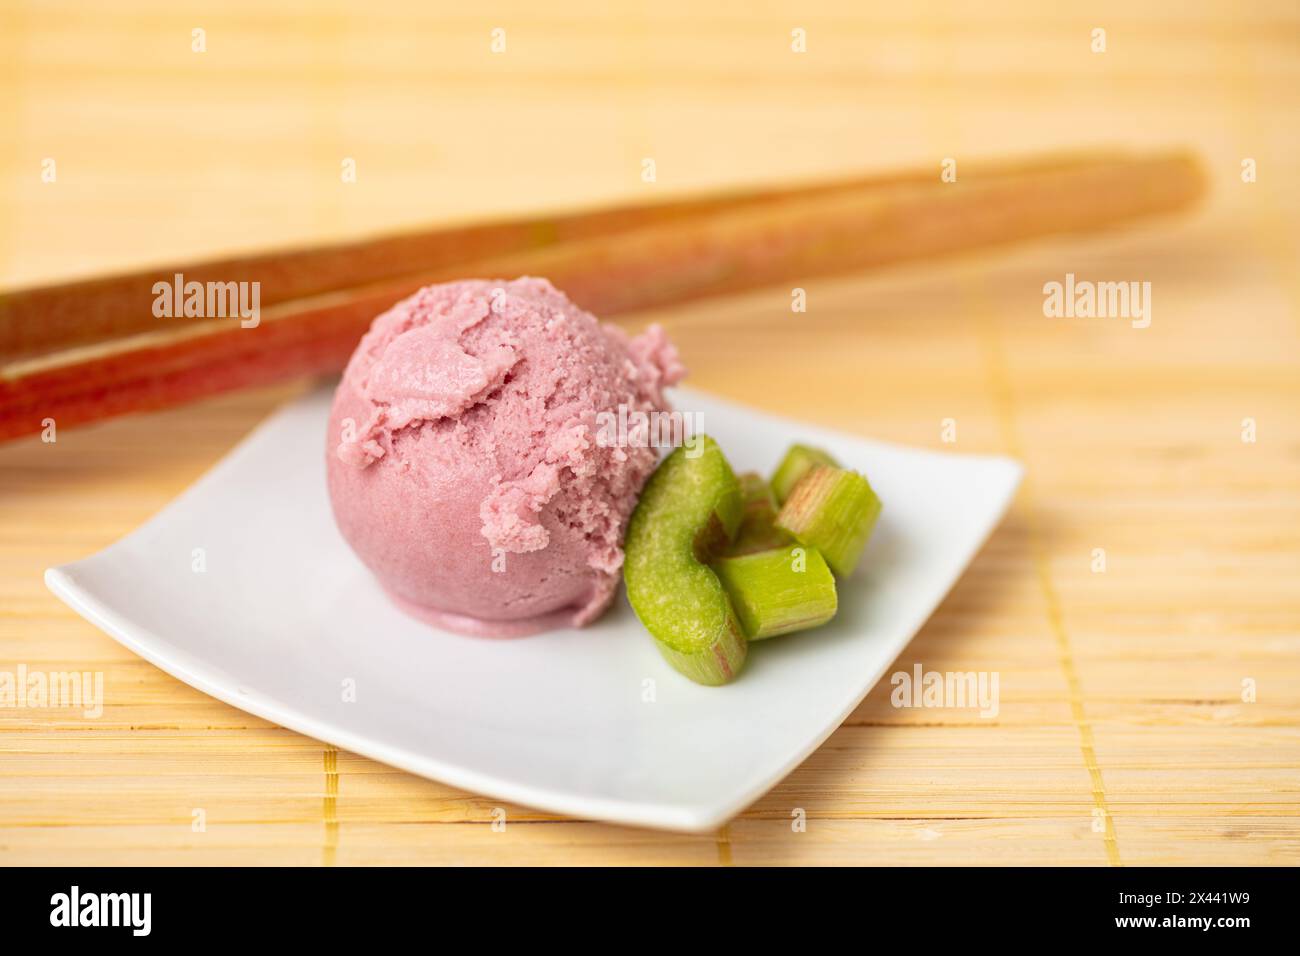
465 460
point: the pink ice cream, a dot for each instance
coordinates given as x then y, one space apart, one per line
464 457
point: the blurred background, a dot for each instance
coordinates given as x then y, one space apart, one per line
1122 690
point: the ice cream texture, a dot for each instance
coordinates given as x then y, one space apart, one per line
465 459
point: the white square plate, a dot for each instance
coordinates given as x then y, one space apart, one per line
285 614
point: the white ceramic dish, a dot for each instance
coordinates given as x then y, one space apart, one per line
589 723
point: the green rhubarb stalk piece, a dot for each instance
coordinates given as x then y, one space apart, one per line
832 510
779 591
688 512
758 531
798 461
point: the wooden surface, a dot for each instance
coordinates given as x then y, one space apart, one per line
1121 692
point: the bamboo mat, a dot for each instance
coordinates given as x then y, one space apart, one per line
1123 737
